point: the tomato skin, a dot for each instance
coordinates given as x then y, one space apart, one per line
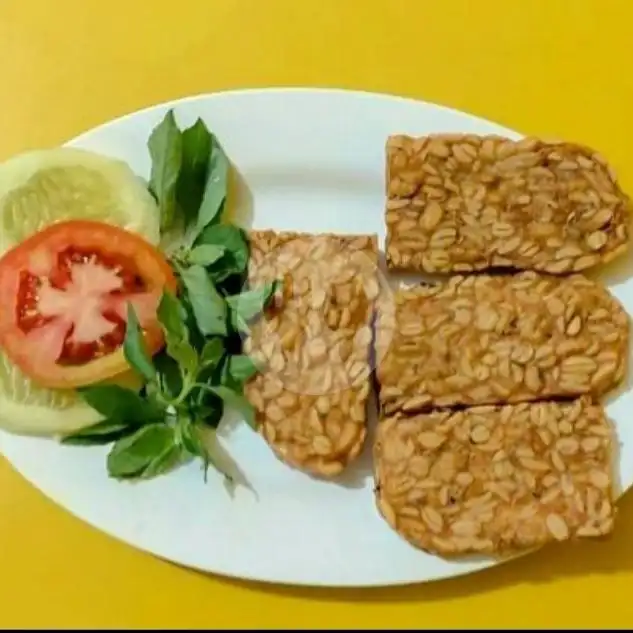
113 244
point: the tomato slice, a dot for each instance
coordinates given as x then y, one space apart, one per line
65 292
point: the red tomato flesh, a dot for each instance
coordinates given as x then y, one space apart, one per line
69 287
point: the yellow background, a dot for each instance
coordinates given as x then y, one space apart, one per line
549 67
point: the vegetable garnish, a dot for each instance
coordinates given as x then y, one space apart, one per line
189 179
65 294
201 369
39 188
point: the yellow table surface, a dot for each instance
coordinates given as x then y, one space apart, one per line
547 67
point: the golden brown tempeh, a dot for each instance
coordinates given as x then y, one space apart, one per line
499 339
311 398
496 479
460 203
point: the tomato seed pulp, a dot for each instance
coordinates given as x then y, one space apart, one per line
80 280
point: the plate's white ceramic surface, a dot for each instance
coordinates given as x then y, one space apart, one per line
310 160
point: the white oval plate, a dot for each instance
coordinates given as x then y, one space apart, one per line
311 160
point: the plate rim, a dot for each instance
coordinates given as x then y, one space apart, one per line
240 92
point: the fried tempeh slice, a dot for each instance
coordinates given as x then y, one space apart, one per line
493 480
460 203
311 397
499 339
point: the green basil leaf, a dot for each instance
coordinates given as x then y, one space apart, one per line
239 323
193 443
171 457
172 316
165 148
209 307
250 304
215 189
206 254
198 442
196 151
236 247
241 368
227 380
212 352
189 437
133 455
104 432
169 374
120 404
196 337
236 401
184 353
134 348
